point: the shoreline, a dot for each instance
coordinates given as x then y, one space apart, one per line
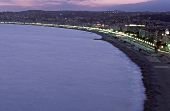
156 77
157 90
137 60
156 98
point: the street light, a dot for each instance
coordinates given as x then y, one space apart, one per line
167 32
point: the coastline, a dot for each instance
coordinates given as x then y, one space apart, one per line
155 80
137 58
157 99
157 86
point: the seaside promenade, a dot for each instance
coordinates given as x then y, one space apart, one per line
155 72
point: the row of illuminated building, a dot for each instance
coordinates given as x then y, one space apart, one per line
159 36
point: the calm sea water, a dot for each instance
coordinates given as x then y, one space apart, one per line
53 69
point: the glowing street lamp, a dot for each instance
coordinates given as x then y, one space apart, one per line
167 32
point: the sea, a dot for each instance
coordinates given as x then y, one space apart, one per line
57 69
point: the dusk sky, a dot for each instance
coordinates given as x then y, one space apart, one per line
94 5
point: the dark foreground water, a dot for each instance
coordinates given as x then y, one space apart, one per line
53 69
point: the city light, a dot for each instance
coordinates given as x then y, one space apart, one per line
134 25
121 35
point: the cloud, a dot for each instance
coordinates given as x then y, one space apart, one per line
93 5
89 3
100 3
27 3
155 6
